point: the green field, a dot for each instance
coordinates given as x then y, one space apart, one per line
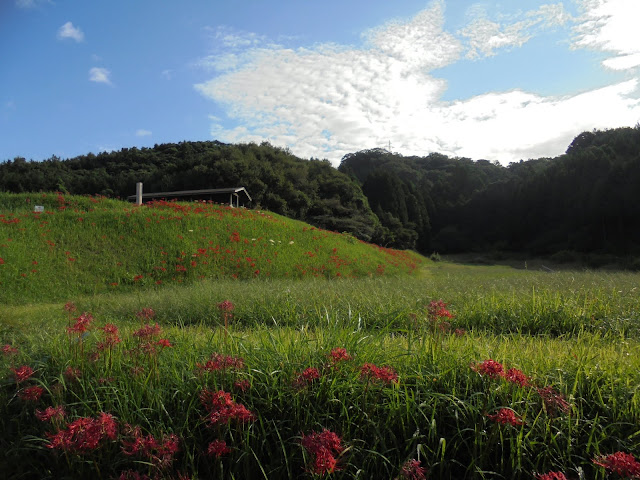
311 374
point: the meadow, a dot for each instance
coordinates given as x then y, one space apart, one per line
337 359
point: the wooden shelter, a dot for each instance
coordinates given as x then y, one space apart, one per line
231 195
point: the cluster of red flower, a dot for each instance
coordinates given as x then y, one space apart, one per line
221 408
323 446
218 362
412 470
621 463
370 371
159 453
84 434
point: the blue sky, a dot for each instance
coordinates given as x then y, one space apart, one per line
499 80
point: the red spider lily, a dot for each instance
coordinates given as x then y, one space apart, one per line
8 350
146 314
218 448
147 331
70 307
339 354
624 464
516 376
412 470
84 434
160 453
133 475
242 385
322 447
437 309
81 324
553 401
51 413
111 337
218 361
226 306
550 476
164 343
490 368
506 416
385 374
31 394
22 373
72 374
222 409
307 377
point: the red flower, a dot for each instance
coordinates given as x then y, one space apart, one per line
51 412
146 314
82 323
412 470
22 373
385 374
163 342
160 453
133 475
72 374
307 377
339 354
553 401
506 416
242 385
217 361
437 309
226 306
9 350
490 368
31 394
70 307
111 337
516 376
551 476
84 434
147 331
222 409
322 447
624 464
218 448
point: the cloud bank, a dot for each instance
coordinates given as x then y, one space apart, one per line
328 100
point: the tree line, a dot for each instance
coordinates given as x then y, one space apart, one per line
586 200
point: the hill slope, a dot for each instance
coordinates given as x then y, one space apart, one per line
84 245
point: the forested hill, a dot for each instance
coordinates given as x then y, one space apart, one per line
586 200
309 190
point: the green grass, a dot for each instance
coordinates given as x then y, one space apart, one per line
573 331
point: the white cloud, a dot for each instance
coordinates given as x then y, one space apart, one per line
611 26
69 31
100 75
143 133
484 36
331 100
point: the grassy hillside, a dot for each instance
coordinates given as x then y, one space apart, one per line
86 245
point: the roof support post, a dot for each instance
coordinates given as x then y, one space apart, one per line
139 193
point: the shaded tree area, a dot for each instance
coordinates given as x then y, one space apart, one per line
310 190
586 200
